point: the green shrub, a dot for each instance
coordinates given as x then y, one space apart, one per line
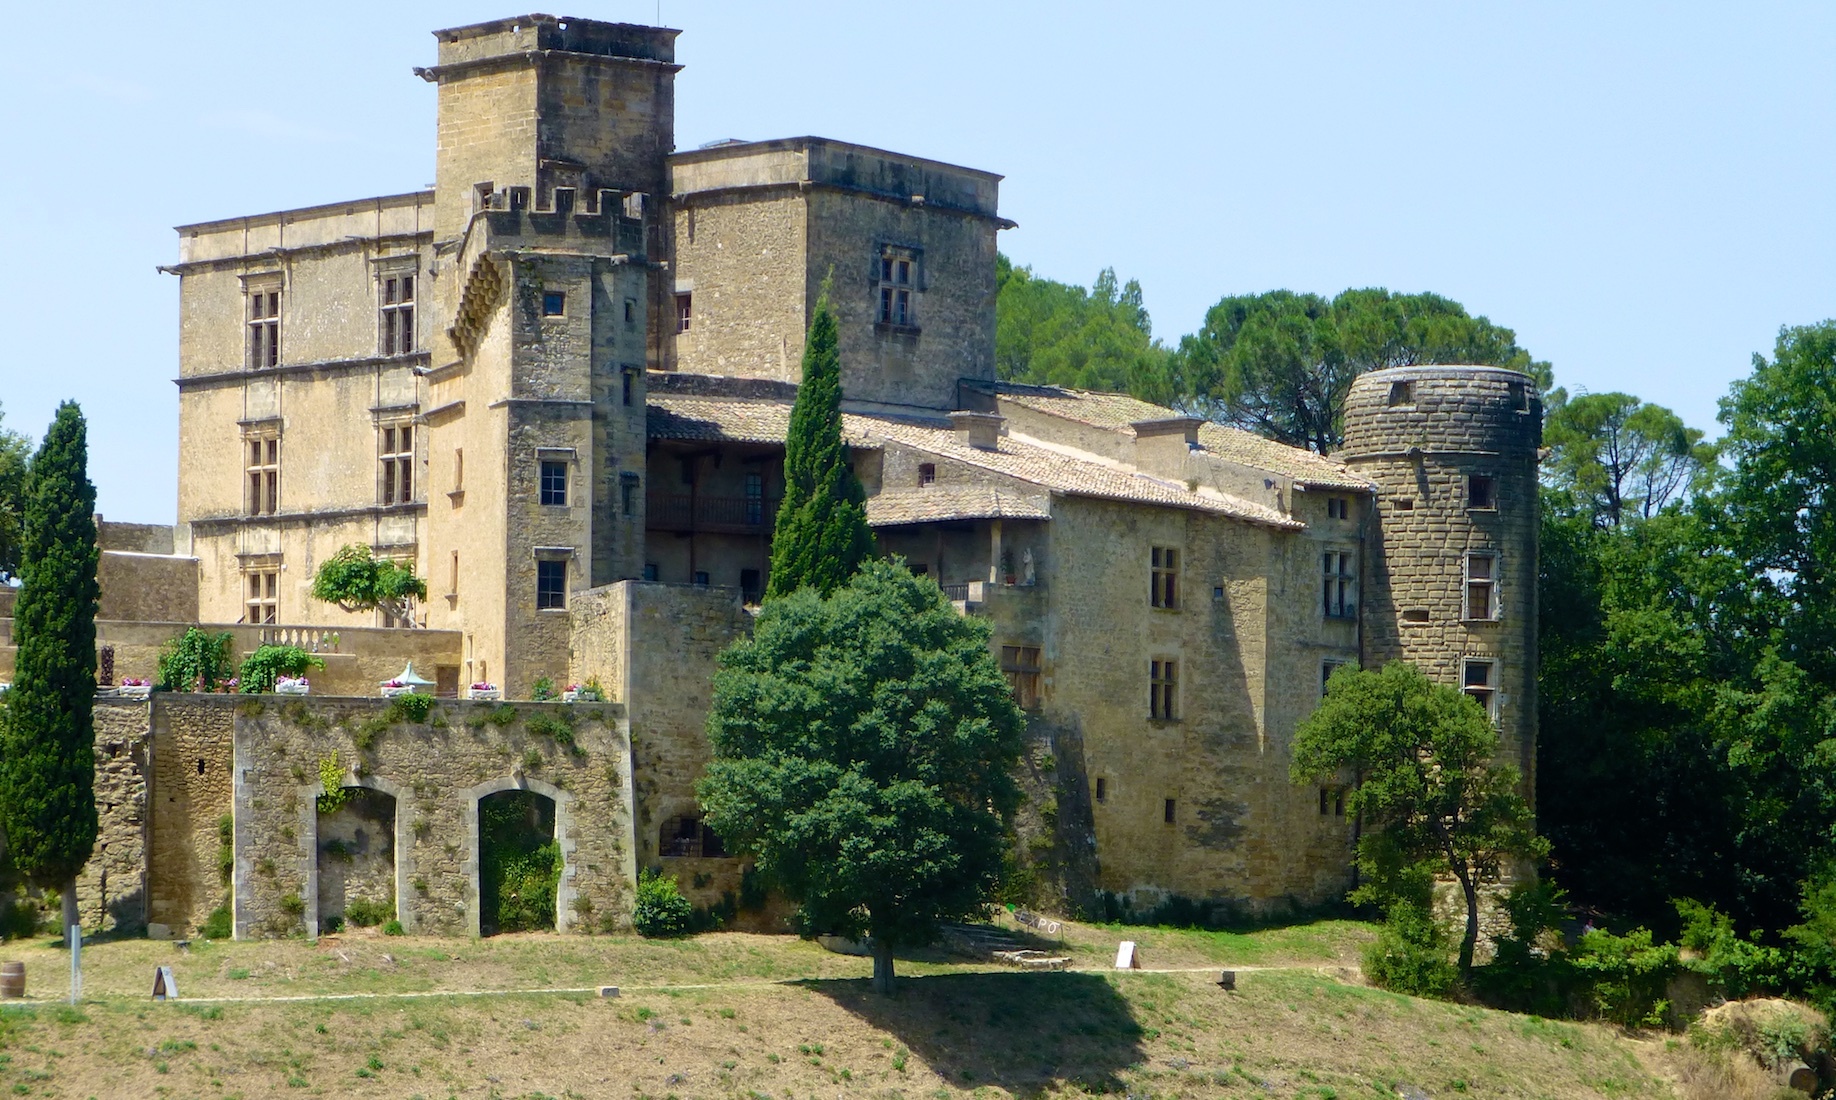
217 926
503 714
661 910
1625 976
226 847
543 690
293 905
194 661
1411 953
332 924
270 662
18 919
560 729
331 777
365 913
413 706
393 927
519 863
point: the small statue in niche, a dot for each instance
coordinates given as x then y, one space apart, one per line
1026 566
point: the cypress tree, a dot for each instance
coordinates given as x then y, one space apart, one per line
822 535
47 728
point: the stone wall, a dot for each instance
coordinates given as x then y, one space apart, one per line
190 796
653 647
436 771
141 587
112 890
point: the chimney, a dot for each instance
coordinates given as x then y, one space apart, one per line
1162 444
978 429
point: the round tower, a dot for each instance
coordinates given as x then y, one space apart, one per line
1450 573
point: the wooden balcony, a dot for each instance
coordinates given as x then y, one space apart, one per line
689 513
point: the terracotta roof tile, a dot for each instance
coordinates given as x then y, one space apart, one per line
943 502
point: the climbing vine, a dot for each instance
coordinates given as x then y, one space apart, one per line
331 776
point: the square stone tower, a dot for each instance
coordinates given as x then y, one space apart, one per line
553 135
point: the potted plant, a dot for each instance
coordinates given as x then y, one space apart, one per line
483 689
292 685
133 687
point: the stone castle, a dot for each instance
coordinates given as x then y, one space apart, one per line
558 385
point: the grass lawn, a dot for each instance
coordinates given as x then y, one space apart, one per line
951 1030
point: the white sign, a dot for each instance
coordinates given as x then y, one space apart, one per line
1125 956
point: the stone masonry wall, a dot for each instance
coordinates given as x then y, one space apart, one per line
190 795
437 771
112 890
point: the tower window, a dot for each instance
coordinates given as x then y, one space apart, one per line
1340 585
927 473
554 482
1169 812
1021 664
1482 587
396 322
898 277
628 496
1402 393
1164 592
1481 491
1479 679
631 311
554 303
1163 689
629 382
1519 397
264 327
1102 789
685 311
551 584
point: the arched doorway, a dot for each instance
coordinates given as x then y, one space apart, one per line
519 863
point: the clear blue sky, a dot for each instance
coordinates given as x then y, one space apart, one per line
1642 191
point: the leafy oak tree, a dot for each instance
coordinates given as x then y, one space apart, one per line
357 580
1280 363
1432 797
47 727
864 745
821 536
1057 334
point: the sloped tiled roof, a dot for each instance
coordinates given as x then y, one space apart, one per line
1116 411
727 420
1064 471
935 503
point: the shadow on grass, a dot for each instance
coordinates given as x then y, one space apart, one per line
1025 1032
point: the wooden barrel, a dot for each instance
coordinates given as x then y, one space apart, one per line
12 980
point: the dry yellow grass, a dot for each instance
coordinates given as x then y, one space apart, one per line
951 1030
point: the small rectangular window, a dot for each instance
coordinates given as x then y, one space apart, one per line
1340 585
927 473
1163 687
1102 789
452 587
1332 802
1327 668
1482 587
396 322
1402 393
1169 812
1519 397
264 328
701 578
458 469
554 303
263 604
751 590
1165 588
1479 679
396 453
631 311
685 311
1481 491
1338 507
263 470
551 583
629 382
897 280
755 499
1022 666
554 481
628 497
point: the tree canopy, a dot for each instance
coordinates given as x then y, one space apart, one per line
1433 799
15 452
1053 333
47 727
821 536
1280 363
357 580
864 745
1618 456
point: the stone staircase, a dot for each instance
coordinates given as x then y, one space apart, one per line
991 943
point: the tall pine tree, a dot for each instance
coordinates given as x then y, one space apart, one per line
47 728
822 535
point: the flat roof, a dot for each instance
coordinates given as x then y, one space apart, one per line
770 145
302 213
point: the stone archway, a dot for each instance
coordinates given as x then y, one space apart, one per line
563 802
336 858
